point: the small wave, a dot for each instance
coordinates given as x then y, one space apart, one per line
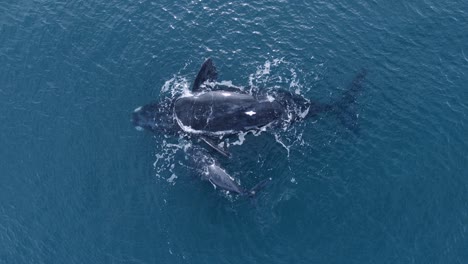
277 74
176 86
166 159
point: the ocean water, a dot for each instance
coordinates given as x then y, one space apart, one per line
78 184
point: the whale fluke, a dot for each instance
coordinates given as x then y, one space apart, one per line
252 192
343 108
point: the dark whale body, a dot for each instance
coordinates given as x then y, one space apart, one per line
220 112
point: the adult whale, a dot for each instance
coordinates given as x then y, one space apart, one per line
213 111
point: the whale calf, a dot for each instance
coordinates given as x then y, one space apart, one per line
210 170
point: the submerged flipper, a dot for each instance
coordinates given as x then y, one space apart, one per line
207 72
343 108
213 145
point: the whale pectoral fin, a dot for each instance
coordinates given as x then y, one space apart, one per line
213 145
207 72
213 183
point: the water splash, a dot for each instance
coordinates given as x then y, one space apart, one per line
272 75
166 158
176 86
277 74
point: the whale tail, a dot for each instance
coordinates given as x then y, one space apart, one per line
344 108
254 190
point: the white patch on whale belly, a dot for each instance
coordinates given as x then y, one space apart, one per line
226 94
250 113
137 109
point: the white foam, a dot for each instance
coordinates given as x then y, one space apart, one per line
190 130
281 143
223 83
294 82
266 68
176 85
241 139
172 178
188 95
165 159
167 84
304 114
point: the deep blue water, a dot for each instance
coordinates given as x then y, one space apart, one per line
79 184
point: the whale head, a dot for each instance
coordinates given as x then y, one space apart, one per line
153 117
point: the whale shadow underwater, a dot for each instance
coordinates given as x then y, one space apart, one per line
212 112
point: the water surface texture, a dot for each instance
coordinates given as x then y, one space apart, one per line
79 184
